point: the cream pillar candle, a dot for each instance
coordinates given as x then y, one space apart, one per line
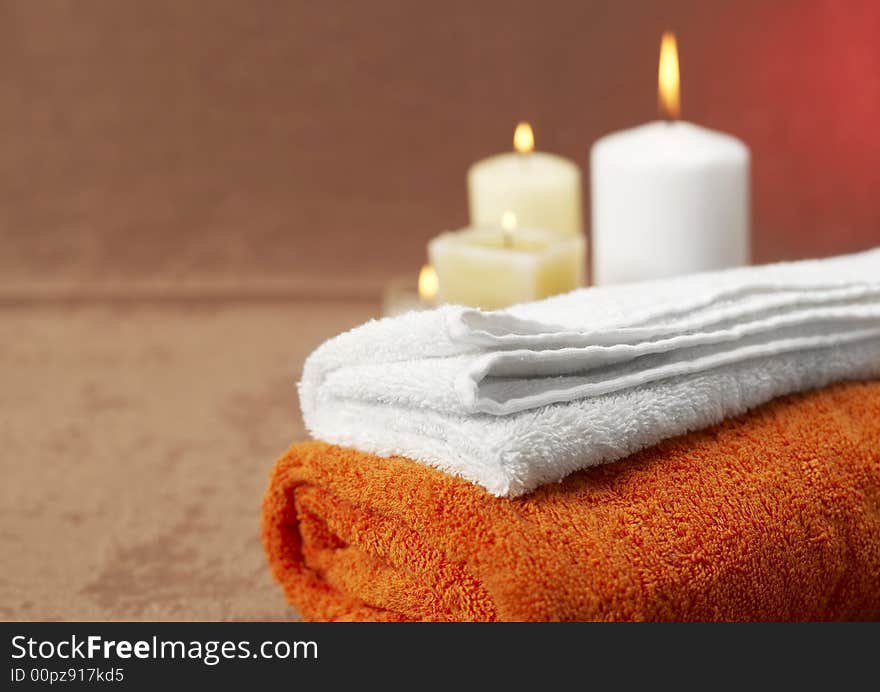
543 190
668 197
492 267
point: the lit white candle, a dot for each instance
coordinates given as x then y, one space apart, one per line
668 197
543 190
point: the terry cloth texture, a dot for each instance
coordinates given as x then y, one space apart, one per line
774 515
517 398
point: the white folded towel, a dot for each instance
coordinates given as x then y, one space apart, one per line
520 397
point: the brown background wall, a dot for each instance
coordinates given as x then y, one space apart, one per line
326 142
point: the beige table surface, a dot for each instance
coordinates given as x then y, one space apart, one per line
137 439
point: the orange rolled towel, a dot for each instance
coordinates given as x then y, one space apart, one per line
774 515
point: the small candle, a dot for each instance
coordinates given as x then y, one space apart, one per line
403 294
543 190
668 197
492 268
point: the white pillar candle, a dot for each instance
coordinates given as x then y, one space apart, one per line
492 267
668 197
543 190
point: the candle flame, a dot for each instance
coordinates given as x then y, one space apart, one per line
429 284
523 138
508 226
668 80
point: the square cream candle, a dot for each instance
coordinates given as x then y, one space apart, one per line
492 268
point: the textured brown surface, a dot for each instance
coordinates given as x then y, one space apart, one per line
774 515
137 439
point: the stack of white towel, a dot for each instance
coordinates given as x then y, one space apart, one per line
520 397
